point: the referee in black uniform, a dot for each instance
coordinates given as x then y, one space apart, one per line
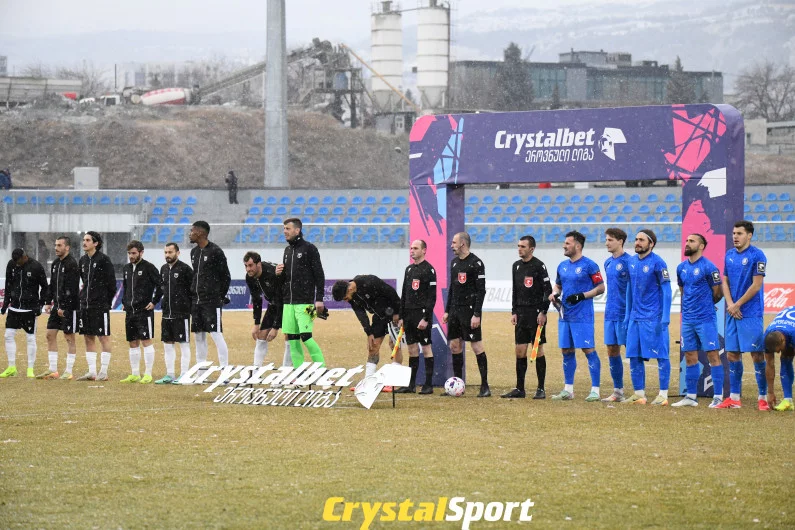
416 311
529 305
464 306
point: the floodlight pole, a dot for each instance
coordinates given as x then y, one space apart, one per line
276 158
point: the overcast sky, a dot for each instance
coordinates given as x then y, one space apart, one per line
333 19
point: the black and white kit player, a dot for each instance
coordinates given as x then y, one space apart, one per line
417 300
62 306
175 280
263 281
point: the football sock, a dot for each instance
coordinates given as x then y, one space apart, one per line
735 378
30 340
260 351
761 380
521 371
483 367
170 358
691 374
414 364
70 361
569 367
11 347
594 368
429 370
787 375
458 365
664 367
201 346
288 359
52 356
314 352
135 361
104 362
184 358
616 372
541 370
296 352
91 360
369 369
637 372
717 380
220 345
149 359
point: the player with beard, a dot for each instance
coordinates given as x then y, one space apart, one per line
262 282
62 307
176 278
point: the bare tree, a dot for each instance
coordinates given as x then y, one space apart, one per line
94 80
38 69
767 90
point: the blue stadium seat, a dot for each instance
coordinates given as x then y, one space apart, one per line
187 210
510 210
264 219
147 200
582 209
771 197
527 210
259 200
22 199
400 200
483 210
591 219
281 210
644 209
469 210
63 199
184 220
575 199
520 219
677 219
788 208
784 196
300 201
603 199
612 209
597 209
404 219
333 219
161 201
191 200
295 211
671 198
132 201
357 200
535 219
50 200
381 210
176 200
589 199
173 210
554 209
777 217
370 200
147 238
652 198
532 199
502 199
265 210
104 200
366 210
516 199
327 199
663 219
313 200
496 209
491 219
169 220
157 210
352 210
309 210
660 209
607 219
759 208
386 199
560 199
89 200
761 217
488 199
569 209
576 219
634 198
621 219
772 208
75 200
284 200
636 219
627 209
271 200
348 219
473 199
397 210
651 219
541 209
506 219
675 208
154 219
619 198
341 200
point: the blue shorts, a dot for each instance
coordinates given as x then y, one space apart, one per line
575 335
615 333
643 341
699 336
745 335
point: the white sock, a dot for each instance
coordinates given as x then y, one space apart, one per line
369 369
171 357
735 397
569 388
595 389
220 345
184 359
11 347
31 343
201 346
52 356
104 362
260 351
641 393
619 391
135 361
760 396
664 393
91 360
70 362
149 359
288 359
691 396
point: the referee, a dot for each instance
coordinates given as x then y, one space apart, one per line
529 305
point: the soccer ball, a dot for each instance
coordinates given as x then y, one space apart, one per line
454 387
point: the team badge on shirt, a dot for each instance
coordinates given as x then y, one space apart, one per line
696 271
528 281
645 268
665 274
415 284
760 268
462 277
716 276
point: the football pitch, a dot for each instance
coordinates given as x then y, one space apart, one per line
108 455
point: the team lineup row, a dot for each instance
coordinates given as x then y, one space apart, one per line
637 313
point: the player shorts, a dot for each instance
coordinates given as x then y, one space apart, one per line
140 326
413 335
745 335
615 333
459 323
22 320
268 318
93 322
175 329
297 319
67 323
525 330
206 318
699 336
573 335
643 340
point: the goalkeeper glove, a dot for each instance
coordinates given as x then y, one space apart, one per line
573 299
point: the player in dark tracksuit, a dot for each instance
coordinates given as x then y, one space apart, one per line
62 306
465 296
176 278
417 301
209 290
370 294
25 293
262 282
529 305
142 292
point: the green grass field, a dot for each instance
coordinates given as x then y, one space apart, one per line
106 455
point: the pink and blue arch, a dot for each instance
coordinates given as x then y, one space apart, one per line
700 145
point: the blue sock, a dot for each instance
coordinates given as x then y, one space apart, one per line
717 380
735 376
787 375
569 367
692 374
664 367
617 371
637 371
761 380
595 368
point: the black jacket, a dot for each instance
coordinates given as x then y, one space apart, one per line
26 286
531 287
270 286
141 286
304 280
64 284
211 277
419 289
467 284
373 295
99 282
175 281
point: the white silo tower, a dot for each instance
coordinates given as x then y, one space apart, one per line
433 54
386 41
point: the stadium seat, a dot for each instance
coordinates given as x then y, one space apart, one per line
259 200
327 199
671 198
397 210
576 219
370 200
560 199
502 199
341 200
176 200
541 209
675 208
597 209
510 210
295 211
532 199
488 199
161 201
644 209
545 199
377 219
90 200
759 208
660 209
777 217
575 199
468 210
191 200
169 220
264 219
333 219
636 219
352 210
284 200
173 210
589 199
483 210
603 199
606 219
400 200
491 219
520 219
527 210
184 220
535 219
386 199
788 208
381 210
157 210
313 200
771 197
187 210
300 201
105 200
761 217
357 200
756 197
569 209
612 209
404 219
265 210
147 200
784 196
772 208
281 210
75 200
496 209
132 201
634 198
619 198
627 209
473 199
154 219
663 219
516 199
651 219
348 219
271 200
366 210
554 209
582 209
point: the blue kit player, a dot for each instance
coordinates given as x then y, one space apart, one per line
648 316
699 280
578 282
617 276
780 338
743 289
